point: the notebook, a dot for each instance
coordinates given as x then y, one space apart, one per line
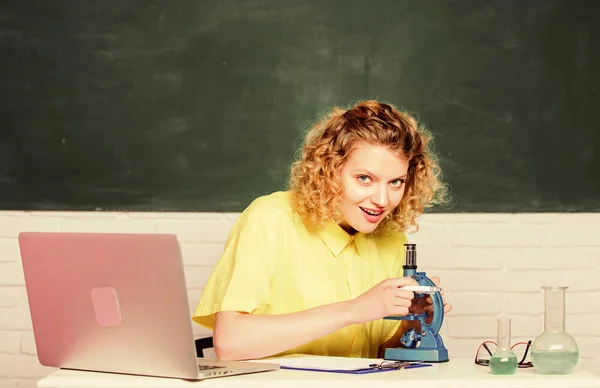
114 302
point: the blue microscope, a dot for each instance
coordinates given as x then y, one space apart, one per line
425 345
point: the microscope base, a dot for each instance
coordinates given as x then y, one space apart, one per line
408 354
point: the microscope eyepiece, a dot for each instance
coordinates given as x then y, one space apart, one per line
411 256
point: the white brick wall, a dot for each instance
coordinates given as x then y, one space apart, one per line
490 265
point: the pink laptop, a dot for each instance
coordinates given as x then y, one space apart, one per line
115 303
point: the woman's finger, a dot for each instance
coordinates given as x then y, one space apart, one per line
429 309
400 293
447 308
401 302
401 310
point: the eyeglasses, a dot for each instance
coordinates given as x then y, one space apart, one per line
487 348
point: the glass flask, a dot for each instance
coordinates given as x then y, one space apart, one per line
504 360
554 351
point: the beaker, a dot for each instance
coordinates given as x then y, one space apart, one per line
504 360
554 351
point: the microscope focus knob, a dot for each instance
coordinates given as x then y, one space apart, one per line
410 338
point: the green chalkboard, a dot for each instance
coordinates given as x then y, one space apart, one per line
181 105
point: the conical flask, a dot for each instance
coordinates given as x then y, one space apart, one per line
503 361
554 351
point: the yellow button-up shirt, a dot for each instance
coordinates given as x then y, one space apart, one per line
274 264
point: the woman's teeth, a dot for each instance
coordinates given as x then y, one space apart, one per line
370 212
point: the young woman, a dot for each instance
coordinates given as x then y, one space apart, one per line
314 269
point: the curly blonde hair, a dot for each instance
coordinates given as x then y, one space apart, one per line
315 174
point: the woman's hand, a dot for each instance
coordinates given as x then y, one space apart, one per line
421 305
385 298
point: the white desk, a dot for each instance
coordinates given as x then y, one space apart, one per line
456 373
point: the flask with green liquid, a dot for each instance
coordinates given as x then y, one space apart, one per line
504 360
554 351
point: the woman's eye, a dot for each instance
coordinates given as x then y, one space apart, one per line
397 182
364 178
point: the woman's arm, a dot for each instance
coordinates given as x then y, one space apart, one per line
240 336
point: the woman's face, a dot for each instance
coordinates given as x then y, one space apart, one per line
373 184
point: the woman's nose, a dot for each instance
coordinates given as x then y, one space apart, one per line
380 197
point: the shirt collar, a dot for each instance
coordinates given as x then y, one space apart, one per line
337 238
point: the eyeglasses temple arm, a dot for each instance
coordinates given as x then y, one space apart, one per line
487 349
525 353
